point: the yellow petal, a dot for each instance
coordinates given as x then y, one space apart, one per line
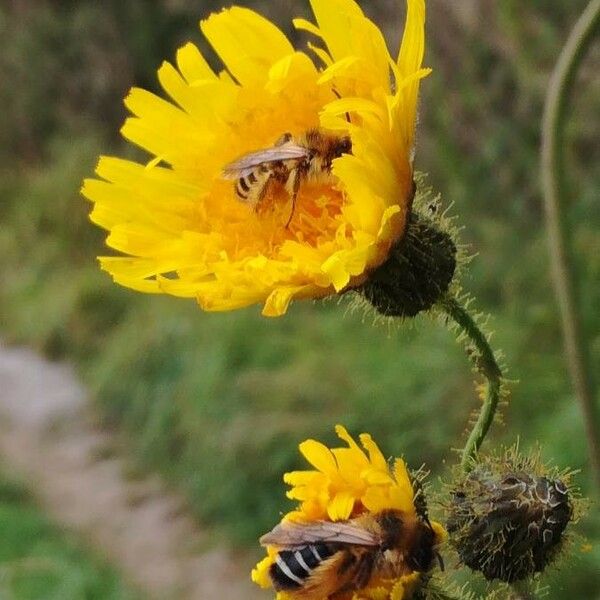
412 47
299 477
405 586
340 68
279 299
375 478
401 498
322 54
158 124
347 32
206 100
409 61
335 268
193 65
375 455
441 534
304 25
129 267
360 106
216 297
401 474
340 507
351 464
376 498
248 44
147 286
260 573
343 434
289 71
319 456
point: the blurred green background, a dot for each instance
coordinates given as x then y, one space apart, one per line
217 403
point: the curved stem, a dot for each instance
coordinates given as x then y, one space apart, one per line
552 174
485 362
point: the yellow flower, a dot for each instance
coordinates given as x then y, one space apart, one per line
346 483
177 222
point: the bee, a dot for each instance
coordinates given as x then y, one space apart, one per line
324 560
287 164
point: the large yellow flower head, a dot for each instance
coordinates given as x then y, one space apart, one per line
179 224
348 483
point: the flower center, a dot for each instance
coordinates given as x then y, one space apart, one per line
313 217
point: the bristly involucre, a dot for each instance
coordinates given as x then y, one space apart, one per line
507 516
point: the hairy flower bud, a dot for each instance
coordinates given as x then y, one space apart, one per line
419 269
507 520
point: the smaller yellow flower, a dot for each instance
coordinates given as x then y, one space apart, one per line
349 485
348 481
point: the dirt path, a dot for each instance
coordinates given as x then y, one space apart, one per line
46 436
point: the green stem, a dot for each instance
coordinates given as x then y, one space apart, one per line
553 181
485 362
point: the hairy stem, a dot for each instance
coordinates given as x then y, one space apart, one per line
485 362
553 182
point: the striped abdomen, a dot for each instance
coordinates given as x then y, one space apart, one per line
245 186
292 568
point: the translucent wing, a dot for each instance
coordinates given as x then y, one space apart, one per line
289 534
247 163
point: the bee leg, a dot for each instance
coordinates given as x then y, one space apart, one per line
364 571
261 193
360 568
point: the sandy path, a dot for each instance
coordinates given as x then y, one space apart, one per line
47 437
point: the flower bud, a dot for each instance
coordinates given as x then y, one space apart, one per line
507 521
418 271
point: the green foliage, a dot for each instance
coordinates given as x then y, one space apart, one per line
37 562
219 402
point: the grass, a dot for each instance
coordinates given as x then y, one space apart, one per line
38 561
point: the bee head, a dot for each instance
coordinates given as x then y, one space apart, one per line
345 145
423 551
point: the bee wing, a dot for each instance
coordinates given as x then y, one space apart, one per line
289 534
247 163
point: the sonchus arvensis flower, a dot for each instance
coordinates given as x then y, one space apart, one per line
285 175
360 532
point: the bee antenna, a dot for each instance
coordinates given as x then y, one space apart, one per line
340 97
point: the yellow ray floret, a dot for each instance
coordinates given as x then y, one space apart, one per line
348 480
177 223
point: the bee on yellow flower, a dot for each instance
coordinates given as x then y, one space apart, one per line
361 530
239 203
